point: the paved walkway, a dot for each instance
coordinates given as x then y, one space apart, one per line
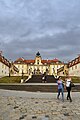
22 105
33 83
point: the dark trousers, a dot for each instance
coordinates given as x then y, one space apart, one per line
68 95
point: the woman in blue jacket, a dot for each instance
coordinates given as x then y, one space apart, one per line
60 88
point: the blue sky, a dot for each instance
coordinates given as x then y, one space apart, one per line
51 27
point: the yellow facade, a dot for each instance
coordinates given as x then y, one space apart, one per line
37 66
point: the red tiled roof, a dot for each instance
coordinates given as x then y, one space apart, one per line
29 61
74 62
55 60
21 60
50 61
46 61
4 61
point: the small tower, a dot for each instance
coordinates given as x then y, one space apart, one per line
38 58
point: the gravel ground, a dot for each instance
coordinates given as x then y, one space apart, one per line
22 105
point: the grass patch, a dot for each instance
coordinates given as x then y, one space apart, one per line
74 79
12 79
17 79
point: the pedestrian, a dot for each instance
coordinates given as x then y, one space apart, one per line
68 88
60 88
44 78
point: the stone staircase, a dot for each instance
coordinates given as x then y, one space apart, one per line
38 79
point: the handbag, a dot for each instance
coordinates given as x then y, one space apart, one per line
72 84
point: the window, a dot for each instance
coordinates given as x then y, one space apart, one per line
76 67
2 66
37 61
18 66
5 67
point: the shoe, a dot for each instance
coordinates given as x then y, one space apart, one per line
57 97
67 98
70 100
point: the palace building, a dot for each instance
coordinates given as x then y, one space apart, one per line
6 67
74 67
37 66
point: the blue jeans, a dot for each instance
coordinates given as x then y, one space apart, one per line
60 91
